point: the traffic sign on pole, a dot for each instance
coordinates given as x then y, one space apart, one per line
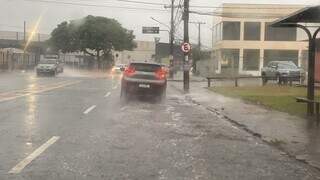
186 47
150 30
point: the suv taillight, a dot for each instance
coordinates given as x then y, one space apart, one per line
129 71
161 73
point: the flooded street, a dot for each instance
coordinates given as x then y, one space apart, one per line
75 127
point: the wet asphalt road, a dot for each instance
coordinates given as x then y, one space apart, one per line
75 127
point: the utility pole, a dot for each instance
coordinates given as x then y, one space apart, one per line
171 39
24 44
171 36
199 42
199 32
186 77
24 31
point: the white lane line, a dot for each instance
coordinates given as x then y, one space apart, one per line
115 87
22 164
107 95
89 109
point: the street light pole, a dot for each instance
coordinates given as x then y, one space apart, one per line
199 42
171 39
186 77
24 45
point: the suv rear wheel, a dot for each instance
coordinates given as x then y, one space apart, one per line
264 79
279 79
123 95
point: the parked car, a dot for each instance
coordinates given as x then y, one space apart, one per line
49 67
282 72
144 79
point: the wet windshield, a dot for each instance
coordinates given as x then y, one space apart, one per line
287 66
159 90
145 67
48 61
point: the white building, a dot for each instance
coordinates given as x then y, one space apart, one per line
243 41
144 51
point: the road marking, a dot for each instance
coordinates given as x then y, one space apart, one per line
107 95
89 109
22 164
44 89
123 108
115 87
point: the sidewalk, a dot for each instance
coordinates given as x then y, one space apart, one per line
178 77
295 136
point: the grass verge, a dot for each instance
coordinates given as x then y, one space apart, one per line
281 98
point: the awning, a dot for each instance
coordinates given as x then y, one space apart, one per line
305 15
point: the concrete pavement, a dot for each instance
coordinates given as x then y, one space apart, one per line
295 136
81 130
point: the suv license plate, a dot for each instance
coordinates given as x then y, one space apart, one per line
144 85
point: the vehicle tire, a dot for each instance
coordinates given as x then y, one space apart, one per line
279 79
285 81
123 95
162 94
54 73
264 80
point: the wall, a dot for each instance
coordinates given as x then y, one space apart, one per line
11 58
144 51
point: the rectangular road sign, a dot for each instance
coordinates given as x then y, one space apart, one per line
150 30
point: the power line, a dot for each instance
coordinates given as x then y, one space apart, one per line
160 22
242 7
142 2
98 5
177 13
239 15
209 7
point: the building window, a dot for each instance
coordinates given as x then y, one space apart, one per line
252 31
230 61
280 34
251 59
281 55
217 33
231 30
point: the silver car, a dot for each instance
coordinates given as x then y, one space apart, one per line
282 72
49 67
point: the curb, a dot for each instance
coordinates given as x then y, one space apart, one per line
178 80
248 130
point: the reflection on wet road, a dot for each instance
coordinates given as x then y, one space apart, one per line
33 89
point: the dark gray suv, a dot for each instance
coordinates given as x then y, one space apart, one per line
282 71
144 79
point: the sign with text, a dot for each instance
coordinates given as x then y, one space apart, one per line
186 47
150 30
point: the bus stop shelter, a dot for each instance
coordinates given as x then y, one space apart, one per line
304 19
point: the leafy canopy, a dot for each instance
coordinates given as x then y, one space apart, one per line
93 35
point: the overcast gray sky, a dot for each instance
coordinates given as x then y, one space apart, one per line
14 12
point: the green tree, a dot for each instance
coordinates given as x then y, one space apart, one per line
198 55
94 35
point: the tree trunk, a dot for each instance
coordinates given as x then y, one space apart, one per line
98 60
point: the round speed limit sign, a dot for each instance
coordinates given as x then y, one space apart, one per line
186 47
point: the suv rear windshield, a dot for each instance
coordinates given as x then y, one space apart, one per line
145 67
48 61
